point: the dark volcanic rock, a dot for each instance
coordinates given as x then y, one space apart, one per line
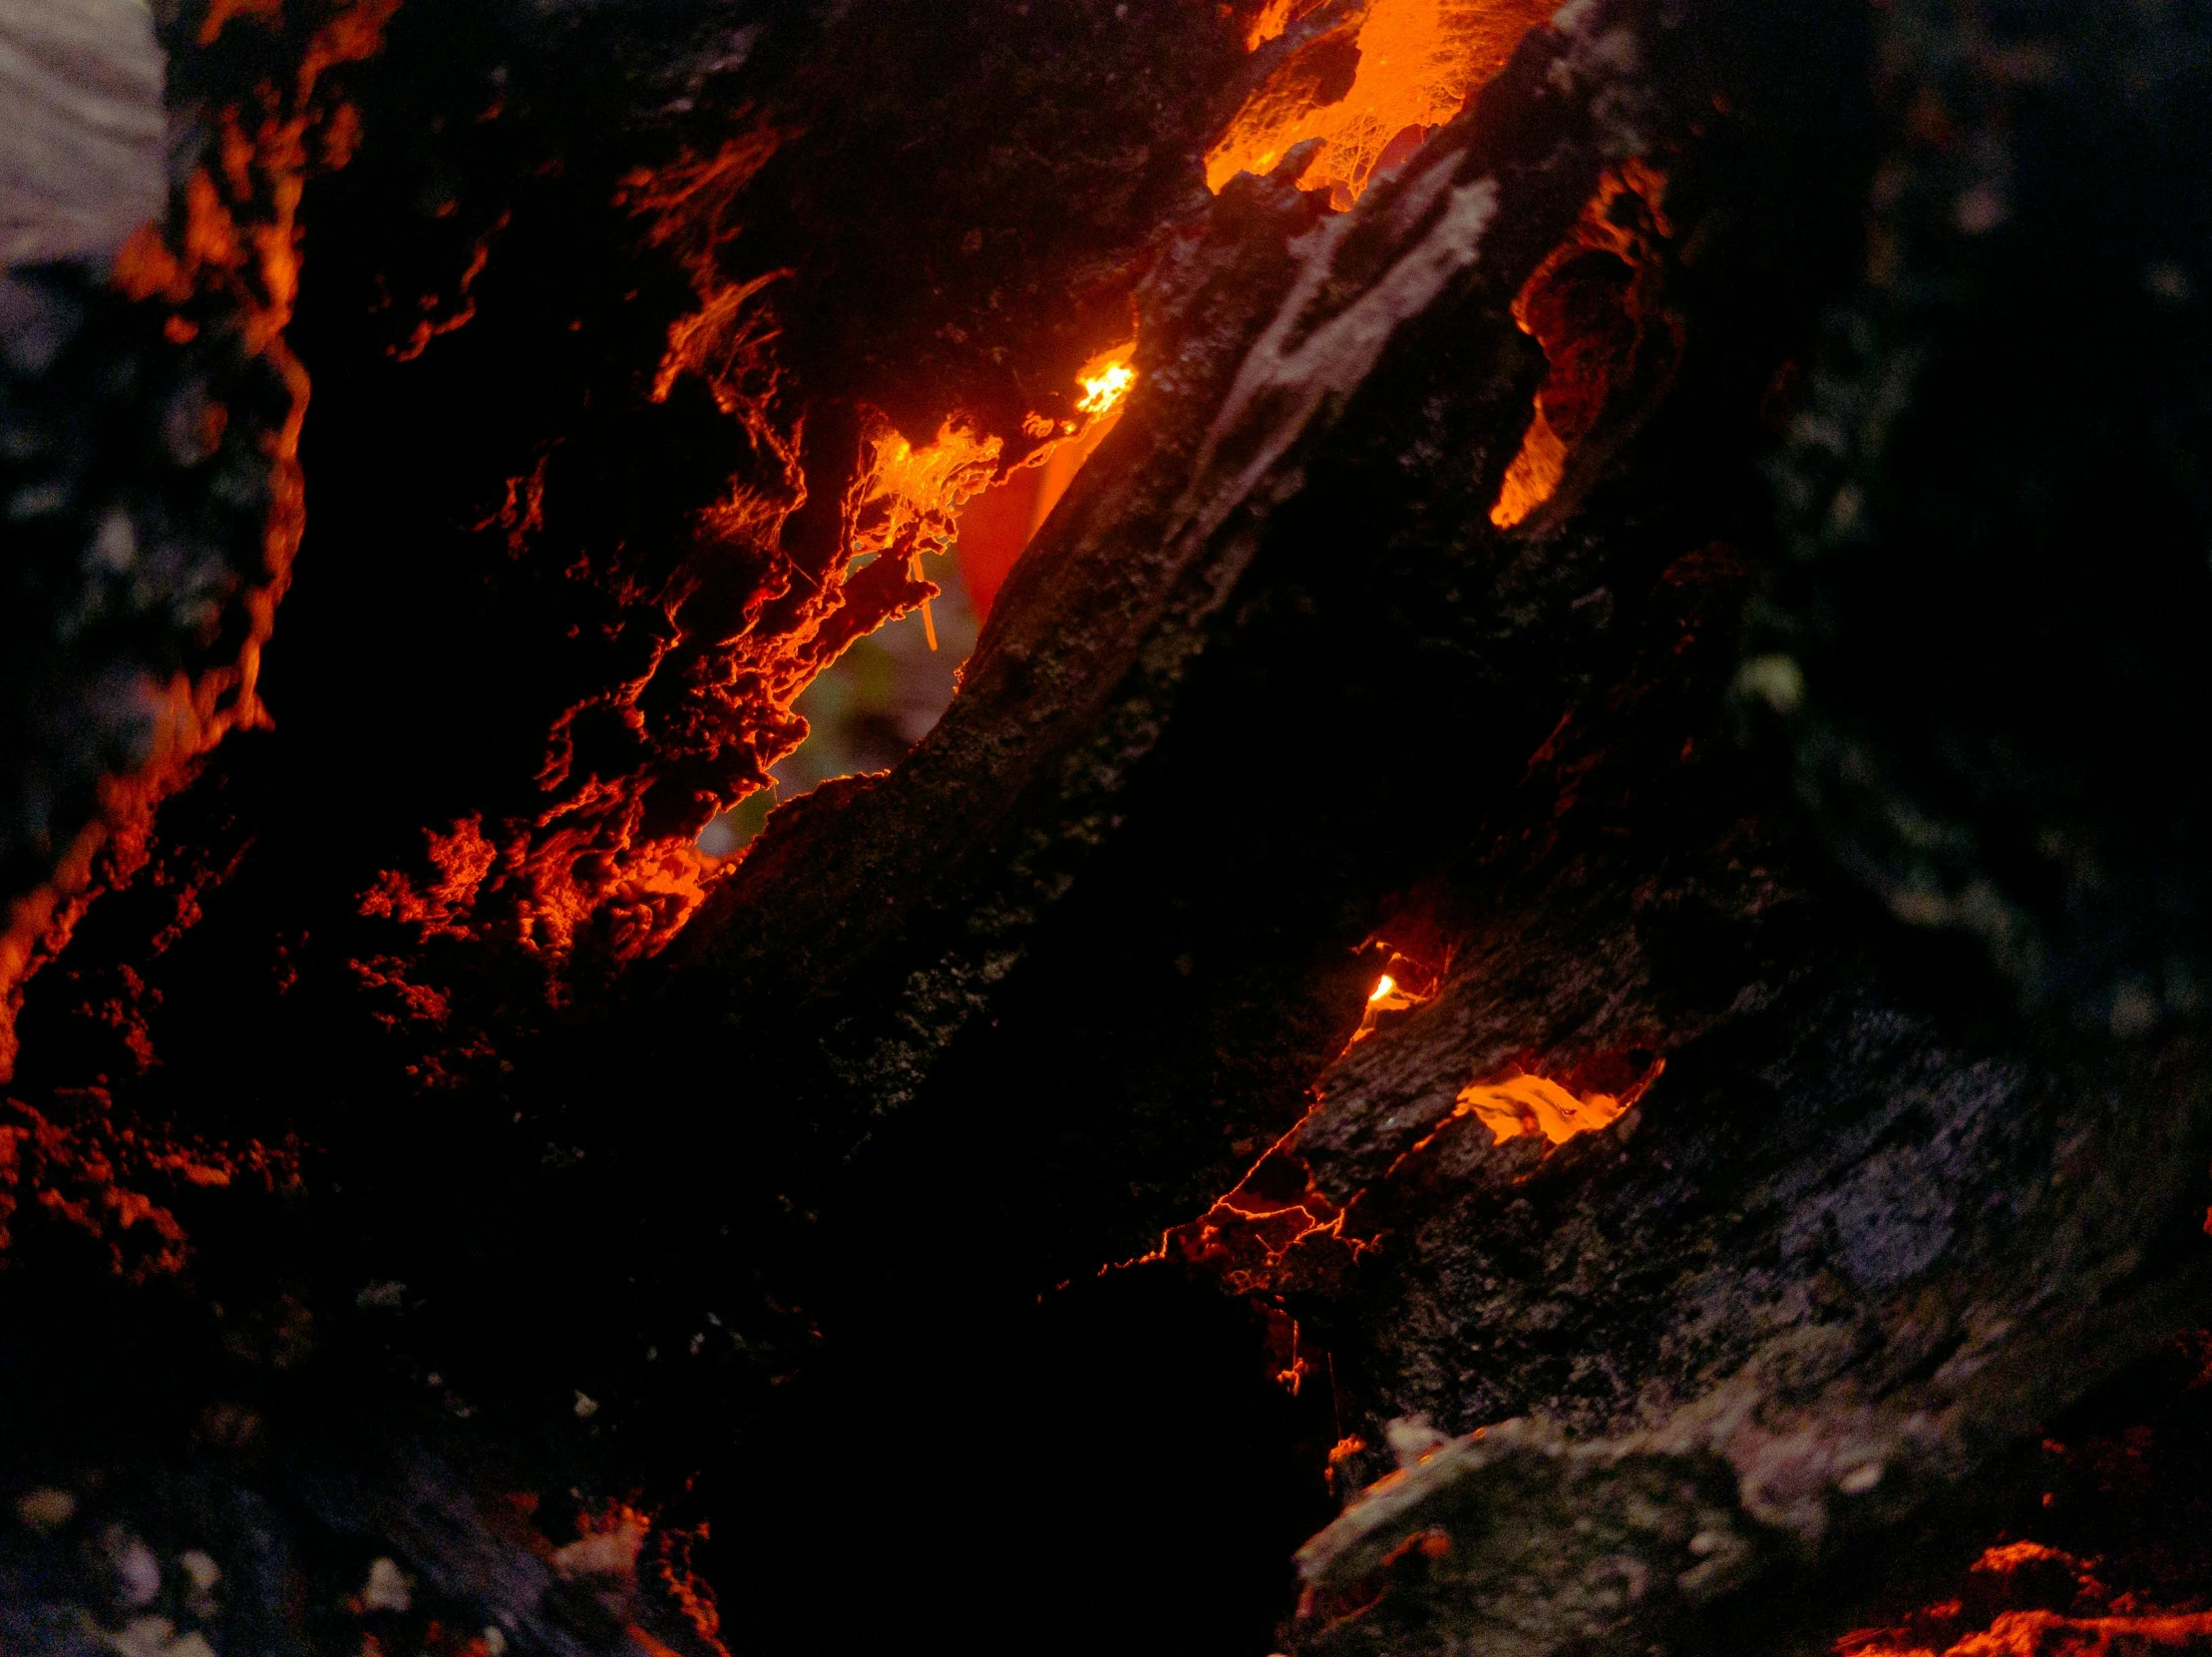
1983 648
548 1265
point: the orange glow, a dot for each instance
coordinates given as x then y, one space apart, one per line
1061 463
999 525
1276 1208
910 493
692 205
1406 985
1532 1104
462 858
1107 380
910 499
2098 1622
1417 62
1273 19
1594 306
608 1542
1281 1348
596 875
270 13
1521 1100
78 1169
994 527
1536 471
238 245
1247 1234
1104 391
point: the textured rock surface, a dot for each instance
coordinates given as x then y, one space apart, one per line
1997 509
1866 1225
129 517
780 1255
82 157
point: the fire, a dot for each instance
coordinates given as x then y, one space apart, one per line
1011 512
916 490
1417 62
1275 1208
909 501
1105 389
1407 984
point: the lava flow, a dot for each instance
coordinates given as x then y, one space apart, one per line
2089 1619
1249 1232
1371 89
997 525
1528 1103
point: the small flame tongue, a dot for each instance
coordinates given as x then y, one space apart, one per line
1103 390
999 525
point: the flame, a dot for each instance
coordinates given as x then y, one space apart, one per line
1011 512
1417 63
1407 984
1103 390
910 500
917 488
1106 381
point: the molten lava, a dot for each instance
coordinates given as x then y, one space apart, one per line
1593 304
997 525
909 500
1246 1237
1523 1100
1247 1234
1370 90
1533 1104
2088 1620
1104 391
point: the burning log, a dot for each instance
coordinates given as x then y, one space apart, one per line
1359 884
